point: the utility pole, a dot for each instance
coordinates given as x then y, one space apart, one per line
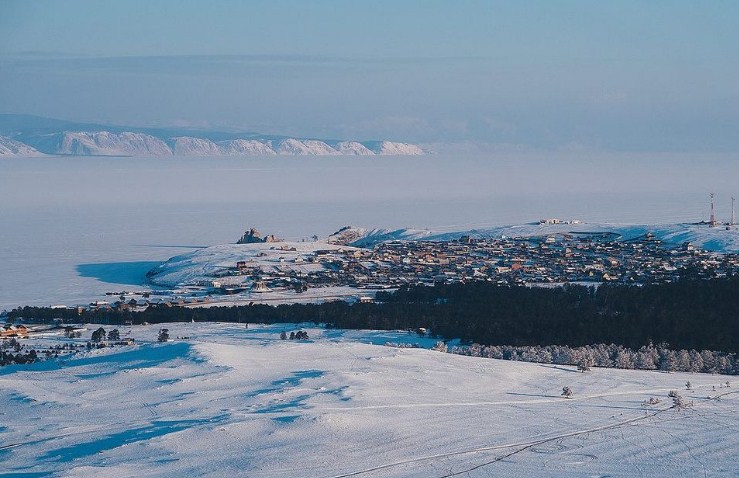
733 217
712 220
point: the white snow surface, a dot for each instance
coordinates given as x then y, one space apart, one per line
11 147
302 148
105 143
189 146
354 148
246 147
203 264
398 149
236 401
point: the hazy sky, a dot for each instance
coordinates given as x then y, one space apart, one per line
577 74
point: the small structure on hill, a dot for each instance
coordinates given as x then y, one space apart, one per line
260 286
252 236
10 330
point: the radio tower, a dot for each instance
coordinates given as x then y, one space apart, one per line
712 221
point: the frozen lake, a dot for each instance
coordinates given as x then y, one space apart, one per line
73 228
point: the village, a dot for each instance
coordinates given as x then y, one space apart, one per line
590 258
285 272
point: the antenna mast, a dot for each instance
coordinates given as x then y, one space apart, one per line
712 221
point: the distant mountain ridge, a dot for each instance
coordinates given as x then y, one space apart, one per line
23 135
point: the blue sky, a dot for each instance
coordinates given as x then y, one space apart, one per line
623 75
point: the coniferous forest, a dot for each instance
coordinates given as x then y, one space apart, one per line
688 314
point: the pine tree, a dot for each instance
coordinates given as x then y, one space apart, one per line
98 335
163 335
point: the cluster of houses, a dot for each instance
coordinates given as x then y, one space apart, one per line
573 257
551 259
15 331
585 257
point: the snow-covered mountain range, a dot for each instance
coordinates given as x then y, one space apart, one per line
30 136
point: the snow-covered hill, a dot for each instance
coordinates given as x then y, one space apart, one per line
11 147
211 262
188 146
105 143
226 400
353 147
397 149
31 135
718 239
246 147
292 146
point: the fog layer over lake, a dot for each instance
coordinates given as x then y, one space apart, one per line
73 228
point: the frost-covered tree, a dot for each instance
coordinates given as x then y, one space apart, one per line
624 358
667 360
709 361
440 347
683 360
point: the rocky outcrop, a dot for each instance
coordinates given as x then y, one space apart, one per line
252 236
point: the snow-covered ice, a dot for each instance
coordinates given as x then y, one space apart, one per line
235 401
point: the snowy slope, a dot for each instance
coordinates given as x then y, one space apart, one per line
232 401
189 146
246 147
702 236
362 237
202 265
293 146
196 266
397 149
353 148
10 147
106 143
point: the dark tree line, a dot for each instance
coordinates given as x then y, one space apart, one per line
689 314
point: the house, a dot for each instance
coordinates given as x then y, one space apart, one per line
9 330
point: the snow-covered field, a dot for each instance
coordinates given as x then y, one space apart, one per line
235 401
